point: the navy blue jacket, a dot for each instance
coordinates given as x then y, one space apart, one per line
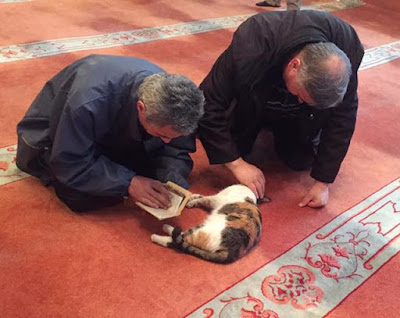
85 122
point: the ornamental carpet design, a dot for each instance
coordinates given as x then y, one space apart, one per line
314 276
340 261
14 1
8 170
52 47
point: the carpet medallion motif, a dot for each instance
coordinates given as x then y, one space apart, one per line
313 277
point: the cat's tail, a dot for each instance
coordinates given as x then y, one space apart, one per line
181 241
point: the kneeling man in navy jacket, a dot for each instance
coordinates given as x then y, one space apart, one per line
106 127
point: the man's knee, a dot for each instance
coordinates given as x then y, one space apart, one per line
296 158
27 158
80 202
297 164
91 204
76 206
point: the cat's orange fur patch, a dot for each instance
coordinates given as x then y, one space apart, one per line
243 221
199 239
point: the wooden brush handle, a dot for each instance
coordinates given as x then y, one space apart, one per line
178 189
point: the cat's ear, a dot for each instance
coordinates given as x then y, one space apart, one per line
265 199
249 200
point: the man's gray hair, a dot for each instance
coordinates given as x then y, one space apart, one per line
172 99
324 73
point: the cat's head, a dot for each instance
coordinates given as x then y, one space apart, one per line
239 193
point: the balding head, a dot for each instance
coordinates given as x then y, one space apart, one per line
324 73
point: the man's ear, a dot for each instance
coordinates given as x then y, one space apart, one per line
294 64
291 68
141 107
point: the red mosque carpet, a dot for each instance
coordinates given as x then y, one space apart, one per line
339 261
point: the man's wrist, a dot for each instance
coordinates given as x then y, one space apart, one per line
321 184
233 164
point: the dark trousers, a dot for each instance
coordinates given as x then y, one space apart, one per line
80 201
296 142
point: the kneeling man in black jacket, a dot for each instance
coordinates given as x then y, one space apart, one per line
106 127
296 74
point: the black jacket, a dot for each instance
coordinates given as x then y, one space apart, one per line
85 121
240 79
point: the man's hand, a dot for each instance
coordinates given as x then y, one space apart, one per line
248 175
317 197
150 192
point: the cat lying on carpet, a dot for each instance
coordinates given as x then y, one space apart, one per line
230 231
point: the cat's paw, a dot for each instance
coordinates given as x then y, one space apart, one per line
168 229
161 240
193 200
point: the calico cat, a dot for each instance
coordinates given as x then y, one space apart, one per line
230 231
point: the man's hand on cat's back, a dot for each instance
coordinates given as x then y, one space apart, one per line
248 175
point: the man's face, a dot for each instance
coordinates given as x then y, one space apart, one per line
295 89
165 133
290 76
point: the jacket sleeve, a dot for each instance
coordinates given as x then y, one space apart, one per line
336 136
75 161
218 88
338 130
172 161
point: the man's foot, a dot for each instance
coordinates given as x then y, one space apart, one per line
267 4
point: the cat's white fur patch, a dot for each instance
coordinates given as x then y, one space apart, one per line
162 240
213 226
233 194
216 223
168 229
